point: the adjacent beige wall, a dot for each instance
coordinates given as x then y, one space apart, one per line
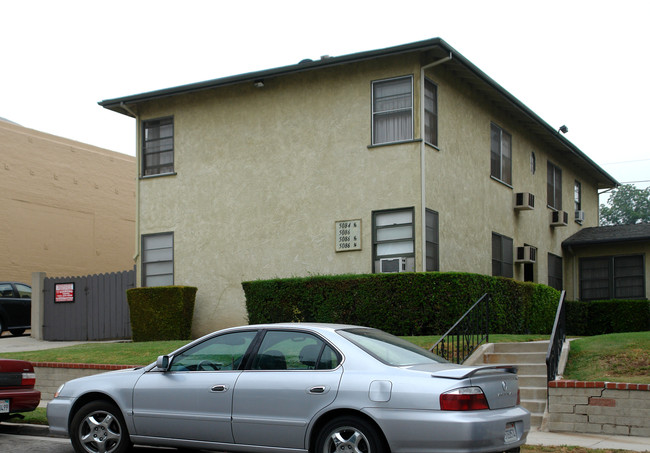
263 174
67 208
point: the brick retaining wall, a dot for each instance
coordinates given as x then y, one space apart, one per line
50 375
599 407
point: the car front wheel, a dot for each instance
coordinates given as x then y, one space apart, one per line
98 427
349 435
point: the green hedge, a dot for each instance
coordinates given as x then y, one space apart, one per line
607 316
161 312
404 303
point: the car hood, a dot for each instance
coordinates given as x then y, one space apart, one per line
107 382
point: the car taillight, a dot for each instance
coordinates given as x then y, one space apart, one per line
28 380
464 399
518 397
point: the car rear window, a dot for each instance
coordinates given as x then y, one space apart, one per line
388 348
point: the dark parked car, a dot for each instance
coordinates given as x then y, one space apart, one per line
17 393
15 307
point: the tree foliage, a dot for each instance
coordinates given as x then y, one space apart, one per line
626 205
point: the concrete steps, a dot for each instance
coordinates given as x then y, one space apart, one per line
530 360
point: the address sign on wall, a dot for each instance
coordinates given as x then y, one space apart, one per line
348 235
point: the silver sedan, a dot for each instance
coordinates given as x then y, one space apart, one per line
294 388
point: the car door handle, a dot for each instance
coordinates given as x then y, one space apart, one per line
318 389
219 388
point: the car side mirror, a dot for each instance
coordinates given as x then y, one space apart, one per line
163 362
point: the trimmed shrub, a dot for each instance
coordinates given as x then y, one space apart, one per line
607 316
426 303
161 312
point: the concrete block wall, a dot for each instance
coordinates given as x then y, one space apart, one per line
50 375
599 407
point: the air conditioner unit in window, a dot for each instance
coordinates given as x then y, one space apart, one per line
526 254
392 264
580 216
559 218
524 201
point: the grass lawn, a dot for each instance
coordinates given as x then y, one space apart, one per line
619 357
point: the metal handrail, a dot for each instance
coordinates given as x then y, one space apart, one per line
558 336
472 330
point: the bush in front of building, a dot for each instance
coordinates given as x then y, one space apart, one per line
425 303
161 312
599 317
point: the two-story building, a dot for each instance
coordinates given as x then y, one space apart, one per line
408 158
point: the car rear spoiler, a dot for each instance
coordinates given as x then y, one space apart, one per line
466 372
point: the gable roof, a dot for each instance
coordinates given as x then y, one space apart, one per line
609 234
432 50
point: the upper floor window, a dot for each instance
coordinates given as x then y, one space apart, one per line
500 154
502 256
392 110
554 186
430 113
158 259
158 146
577 196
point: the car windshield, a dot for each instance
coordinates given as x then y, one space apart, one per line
388 348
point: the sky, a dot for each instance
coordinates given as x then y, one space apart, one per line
579 63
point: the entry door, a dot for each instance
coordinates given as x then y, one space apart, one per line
293 376
193 398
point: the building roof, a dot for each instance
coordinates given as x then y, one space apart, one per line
609 235
432 50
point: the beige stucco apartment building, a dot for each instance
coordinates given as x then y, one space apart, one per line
408 158
68 208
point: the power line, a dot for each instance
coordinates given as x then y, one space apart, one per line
627 162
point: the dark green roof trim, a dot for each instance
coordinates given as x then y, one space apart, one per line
121 105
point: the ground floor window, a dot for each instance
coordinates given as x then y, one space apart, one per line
555 271
433 241
612 277
502 256
158 259
392 234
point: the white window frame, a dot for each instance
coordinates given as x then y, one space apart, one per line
157 259
499 174
395 113
393 228
158 147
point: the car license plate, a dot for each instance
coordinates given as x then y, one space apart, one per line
4 406
510 434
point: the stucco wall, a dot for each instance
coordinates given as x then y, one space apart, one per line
67 208
262 174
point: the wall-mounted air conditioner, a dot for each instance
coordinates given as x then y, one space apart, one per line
526 254
559 218
524 201
397 264
580 216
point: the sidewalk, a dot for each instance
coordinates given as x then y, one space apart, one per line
9 343
601 441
